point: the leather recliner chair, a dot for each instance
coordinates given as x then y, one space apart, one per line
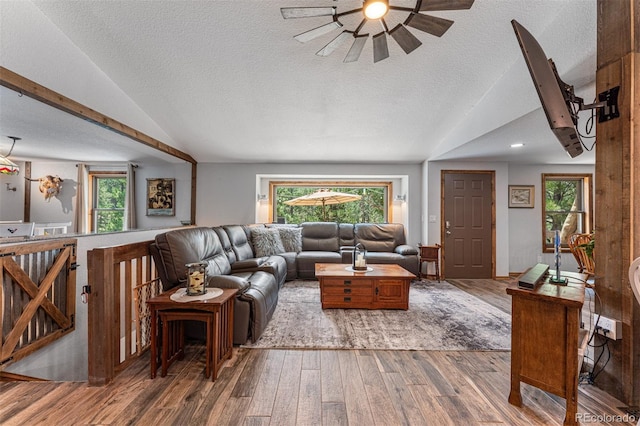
257 290
235 242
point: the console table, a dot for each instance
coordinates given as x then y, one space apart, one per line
217 313
544 340
383 287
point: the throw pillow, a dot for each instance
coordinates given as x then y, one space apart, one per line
291 238
266 241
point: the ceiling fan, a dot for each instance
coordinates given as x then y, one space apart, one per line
376 10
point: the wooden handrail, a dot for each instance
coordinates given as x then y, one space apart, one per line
121 279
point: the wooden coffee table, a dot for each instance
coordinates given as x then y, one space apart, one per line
384 287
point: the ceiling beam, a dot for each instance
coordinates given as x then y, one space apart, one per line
36 91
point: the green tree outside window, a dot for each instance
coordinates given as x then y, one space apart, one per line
566 207
371 208
109 198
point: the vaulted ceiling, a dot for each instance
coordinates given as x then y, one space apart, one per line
227 81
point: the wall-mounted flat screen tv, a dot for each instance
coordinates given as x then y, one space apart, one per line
555 100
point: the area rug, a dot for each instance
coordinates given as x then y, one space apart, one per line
440 317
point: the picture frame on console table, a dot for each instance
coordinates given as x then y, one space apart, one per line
521 196
161 197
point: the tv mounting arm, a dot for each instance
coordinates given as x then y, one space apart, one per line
607 105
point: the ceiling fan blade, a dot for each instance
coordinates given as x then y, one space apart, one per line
356 48
307 12
380 47
335 43
445 4
428 24
317 32
405 39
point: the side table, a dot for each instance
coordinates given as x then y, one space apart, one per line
430 254
216 312
545 340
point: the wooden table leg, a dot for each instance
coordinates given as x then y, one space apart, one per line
216 344
165 348
516 356
154 342
207 371
572 373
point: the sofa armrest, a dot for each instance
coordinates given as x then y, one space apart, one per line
248 264
347 253
229 281
406 249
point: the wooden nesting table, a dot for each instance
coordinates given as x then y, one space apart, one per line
217 313
384 287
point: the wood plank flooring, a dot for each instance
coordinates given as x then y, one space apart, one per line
310 387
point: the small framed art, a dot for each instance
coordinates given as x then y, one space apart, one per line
521 196
160 197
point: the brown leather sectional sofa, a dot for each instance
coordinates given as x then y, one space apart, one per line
232 262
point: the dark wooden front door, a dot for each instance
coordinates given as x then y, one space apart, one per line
468 224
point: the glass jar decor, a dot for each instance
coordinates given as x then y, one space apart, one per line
359 263
196 278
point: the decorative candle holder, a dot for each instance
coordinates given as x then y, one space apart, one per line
359 262
196 278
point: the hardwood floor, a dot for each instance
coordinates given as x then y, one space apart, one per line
310 387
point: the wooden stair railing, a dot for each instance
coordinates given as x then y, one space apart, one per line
121 279
37 296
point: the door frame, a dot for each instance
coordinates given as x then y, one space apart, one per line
443 271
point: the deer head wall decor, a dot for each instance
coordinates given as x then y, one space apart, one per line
49 186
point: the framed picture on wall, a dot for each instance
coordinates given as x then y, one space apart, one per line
521 196
160 197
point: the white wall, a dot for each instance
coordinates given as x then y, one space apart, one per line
35 48
182 193
12 202
61 208
66 359
227 192
432 208
525 225
518 231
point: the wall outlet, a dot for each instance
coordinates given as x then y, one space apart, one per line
608 327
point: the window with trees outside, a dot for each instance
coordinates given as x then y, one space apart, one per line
108 193
372 205
566 207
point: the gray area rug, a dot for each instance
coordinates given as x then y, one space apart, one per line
440 317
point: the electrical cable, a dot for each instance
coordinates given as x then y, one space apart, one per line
594 375
588 126
11 149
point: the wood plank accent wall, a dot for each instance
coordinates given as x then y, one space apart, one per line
37 296
617 186
122 278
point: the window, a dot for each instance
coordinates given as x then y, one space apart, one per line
108 193
373 207
566 207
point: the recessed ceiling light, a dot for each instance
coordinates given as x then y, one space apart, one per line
516 145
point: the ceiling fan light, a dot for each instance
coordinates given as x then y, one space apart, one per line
375 9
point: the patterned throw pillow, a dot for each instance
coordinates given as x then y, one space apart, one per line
291 238
266 241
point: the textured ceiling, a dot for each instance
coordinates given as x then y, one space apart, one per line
227 81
